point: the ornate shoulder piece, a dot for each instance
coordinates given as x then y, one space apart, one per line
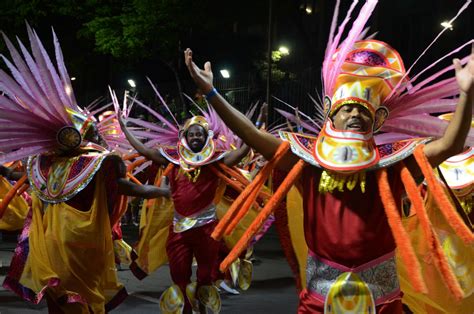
58 179
301 145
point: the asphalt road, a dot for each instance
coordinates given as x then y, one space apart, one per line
273 288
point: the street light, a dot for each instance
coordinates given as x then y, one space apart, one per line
284 50
73 78
132 83
447 24
309 10
225 73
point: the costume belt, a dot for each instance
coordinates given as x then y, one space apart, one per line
182 223
365 286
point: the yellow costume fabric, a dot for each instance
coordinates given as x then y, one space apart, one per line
460 258
222 208
294 207
71 253
16 212
155 219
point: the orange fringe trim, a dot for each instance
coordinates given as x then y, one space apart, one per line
438 255
399 233
132 177
243 210
166 172
135 164
131 156
256 184
282 190
10 194
122 208
439 194
237 181
23 189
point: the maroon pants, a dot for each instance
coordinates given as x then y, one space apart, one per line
181 247
310 305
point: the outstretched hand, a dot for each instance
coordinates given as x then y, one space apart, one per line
121 120
465 75
202 78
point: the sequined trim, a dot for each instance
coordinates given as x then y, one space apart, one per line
183 223
73 185
171 154
302 146
380 277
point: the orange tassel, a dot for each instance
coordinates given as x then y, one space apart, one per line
10 194
23 189
440 196
233 173
399 233
281 192
122 208
132 177
166 172
240 184
131 156
135 164
234 184
244 209
257 183
440 259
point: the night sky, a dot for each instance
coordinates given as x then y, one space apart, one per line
233 35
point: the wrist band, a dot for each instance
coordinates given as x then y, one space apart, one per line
211 94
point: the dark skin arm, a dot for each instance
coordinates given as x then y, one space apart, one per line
149 153
454 137
264 143
450 144
235 156
125 187
11 174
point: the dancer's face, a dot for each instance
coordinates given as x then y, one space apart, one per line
352 117
196 137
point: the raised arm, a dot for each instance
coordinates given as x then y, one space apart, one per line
149 153
452 142
125 187
264 143
235 156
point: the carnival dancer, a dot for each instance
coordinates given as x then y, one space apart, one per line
193 186
65 252
349 204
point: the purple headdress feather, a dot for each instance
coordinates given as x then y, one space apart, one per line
332 68
35 71
397 88
65 79
43 70
162 100
34 101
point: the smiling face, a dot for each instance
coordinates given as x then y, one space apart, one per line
196 137
353 117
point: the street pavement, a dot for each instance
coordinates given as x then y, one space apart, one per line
272 291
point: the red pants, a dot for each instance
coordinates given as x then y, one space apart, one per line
310 305
181 247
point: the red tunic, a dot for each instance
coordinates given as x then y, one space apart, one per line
189 197
349 228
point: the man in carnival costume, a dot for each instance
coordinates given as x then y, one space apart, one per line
193 184
65 251
349 205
